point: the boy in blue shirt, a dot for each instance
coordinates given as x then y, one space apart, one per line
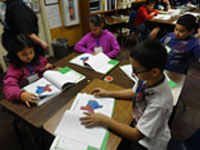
184 46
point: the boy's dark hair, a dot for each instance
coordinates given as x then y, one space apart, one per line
96 20
188 21
150 54
149 2
20 42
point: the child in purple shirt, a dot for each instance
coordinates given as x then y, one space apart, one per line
184 46
98 40
25 67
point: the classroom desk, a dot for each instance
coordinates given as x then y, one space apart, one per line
37 116
122 112
121 79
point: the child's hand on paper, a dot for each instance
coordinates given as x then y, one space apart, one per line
93 119
99 92
28 98
49 66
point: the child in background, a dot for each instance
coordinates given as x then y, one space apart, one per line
184 46
162 5
98 40
152 102
146 11
25 67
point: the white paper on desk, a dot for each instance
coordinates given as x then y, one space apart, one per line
163 16
63 143
70 127
174 11
127 69
192 13
82 100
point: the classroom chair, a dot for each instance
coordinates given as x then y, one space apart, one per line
192 143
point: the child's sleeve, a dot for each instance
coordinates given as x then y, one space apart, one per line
144 14
115 48
196 50
81 46
151 121
11 88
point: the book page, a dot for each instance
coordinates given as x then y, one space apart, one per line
81 59
87 102
41 88
98 60
127 69
63 143
70 127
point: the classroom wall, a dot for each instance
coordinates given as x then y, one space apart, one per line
73 33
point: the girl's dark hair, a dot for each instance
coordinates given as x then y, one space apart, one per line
20 42
150 54
96 20
188 21
150 2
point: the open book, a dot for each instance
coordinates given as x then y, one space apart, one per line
71 135
53 82
99 62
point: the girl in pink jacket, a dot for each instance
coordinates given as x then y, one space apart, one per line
25 67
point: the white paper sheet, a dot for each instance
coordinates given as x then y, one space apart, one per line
70 127
53 15
127 69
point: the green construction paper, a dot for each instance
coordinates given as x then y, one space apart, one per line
113 62
172 84
65 70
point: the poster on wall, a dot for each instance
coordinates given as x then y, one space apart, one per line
70 12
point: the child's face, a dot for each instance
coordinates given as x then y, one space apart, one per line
141 72
26 55
150 6
96 30
181 32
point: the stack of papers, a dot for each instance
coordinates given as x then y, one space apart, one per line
71 135
99 62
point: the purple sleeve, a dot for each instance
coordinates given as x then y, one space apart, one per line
11 86
115 48
81 46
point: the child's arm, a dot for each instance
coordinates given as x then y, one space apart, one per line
94 119
121 94
11 88
115 48
81 46
28 98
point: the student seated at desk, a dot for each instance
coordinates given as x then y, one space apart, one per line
98 40
184 46
26 66
146 11
152 102
162 5
189 3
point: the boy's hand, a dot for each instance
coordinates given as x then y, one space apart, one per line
28 98
99 92
153 14
92 119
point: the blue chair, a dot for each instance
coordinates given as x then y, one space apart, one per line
192 143
132 15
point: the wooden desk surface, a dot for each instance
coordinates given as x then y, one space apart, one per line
122 112
119 77
37 116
